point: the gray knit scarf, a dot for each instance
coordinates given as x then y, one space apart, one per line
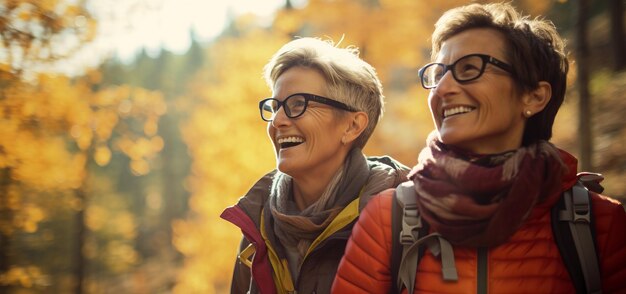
297 229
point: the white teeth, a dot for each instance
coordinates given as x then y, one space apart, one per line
456 110
290 140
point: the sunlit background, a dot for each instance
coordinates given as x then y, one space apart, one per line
127 126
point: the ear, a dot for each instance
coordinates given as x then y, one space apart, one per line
537 99
356 125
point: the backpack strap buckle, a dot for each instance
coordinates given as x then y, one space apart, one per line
581 211
577 209
411 221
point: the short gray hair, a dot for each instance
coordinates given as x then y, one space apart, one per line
349 78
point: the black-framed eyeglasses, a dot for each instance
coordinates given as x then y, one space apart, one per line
295 105
465 69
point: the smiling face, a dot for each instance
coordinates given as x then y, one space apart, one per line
309 145
483 116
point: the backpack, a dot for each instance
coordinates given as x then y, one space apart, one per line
573 228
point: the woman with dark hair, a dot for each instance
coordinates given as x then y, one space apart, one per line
488 178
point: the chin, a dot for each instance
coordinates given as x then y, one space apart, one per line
452 139
281 166
285 167
447 137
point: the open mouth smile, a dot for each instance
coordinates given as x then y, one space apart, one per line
457 110
288 142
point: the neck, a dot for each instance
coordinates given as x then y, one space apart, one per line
309 188
308 191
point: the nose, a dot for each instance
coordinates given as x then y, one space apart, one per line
446 85
280 118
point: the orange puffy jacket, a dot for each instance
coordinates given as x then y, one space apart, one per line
529 262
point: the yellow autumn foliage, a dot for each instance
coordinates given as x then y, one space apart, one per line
25 276
119 256
102 155
96 217
51 128
228 142
28 217
108 216
36 32
40 117
55 133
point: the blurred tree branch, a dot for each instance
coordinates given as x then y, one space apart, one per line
41 31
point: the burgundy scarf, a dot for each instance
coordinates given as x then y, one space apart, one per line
481 200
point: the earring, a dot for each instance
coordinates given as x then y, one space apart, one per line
528 113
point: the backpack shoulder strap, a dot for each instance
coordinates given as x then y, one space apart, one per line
572 224
406 228
396 251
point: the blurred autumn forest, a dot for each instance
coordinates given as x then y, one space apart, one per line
112 181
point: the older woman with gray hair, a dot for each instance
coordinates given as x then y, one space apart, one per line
296 220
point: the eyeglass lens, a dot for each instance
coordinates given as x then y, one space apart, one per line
464 69
294 107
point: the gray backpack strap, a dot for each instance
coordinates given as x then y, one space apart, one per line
578 214
411 241
410 224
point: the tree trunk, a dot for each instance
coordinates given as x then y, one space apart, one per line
616 8
175 168
6 219
81 229
82 193
584 106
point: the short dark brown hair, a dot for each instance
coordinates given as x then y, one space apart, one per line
533 48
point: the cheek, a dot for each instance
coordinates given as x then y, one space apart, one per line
271 131
511 105
327 132
432 106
